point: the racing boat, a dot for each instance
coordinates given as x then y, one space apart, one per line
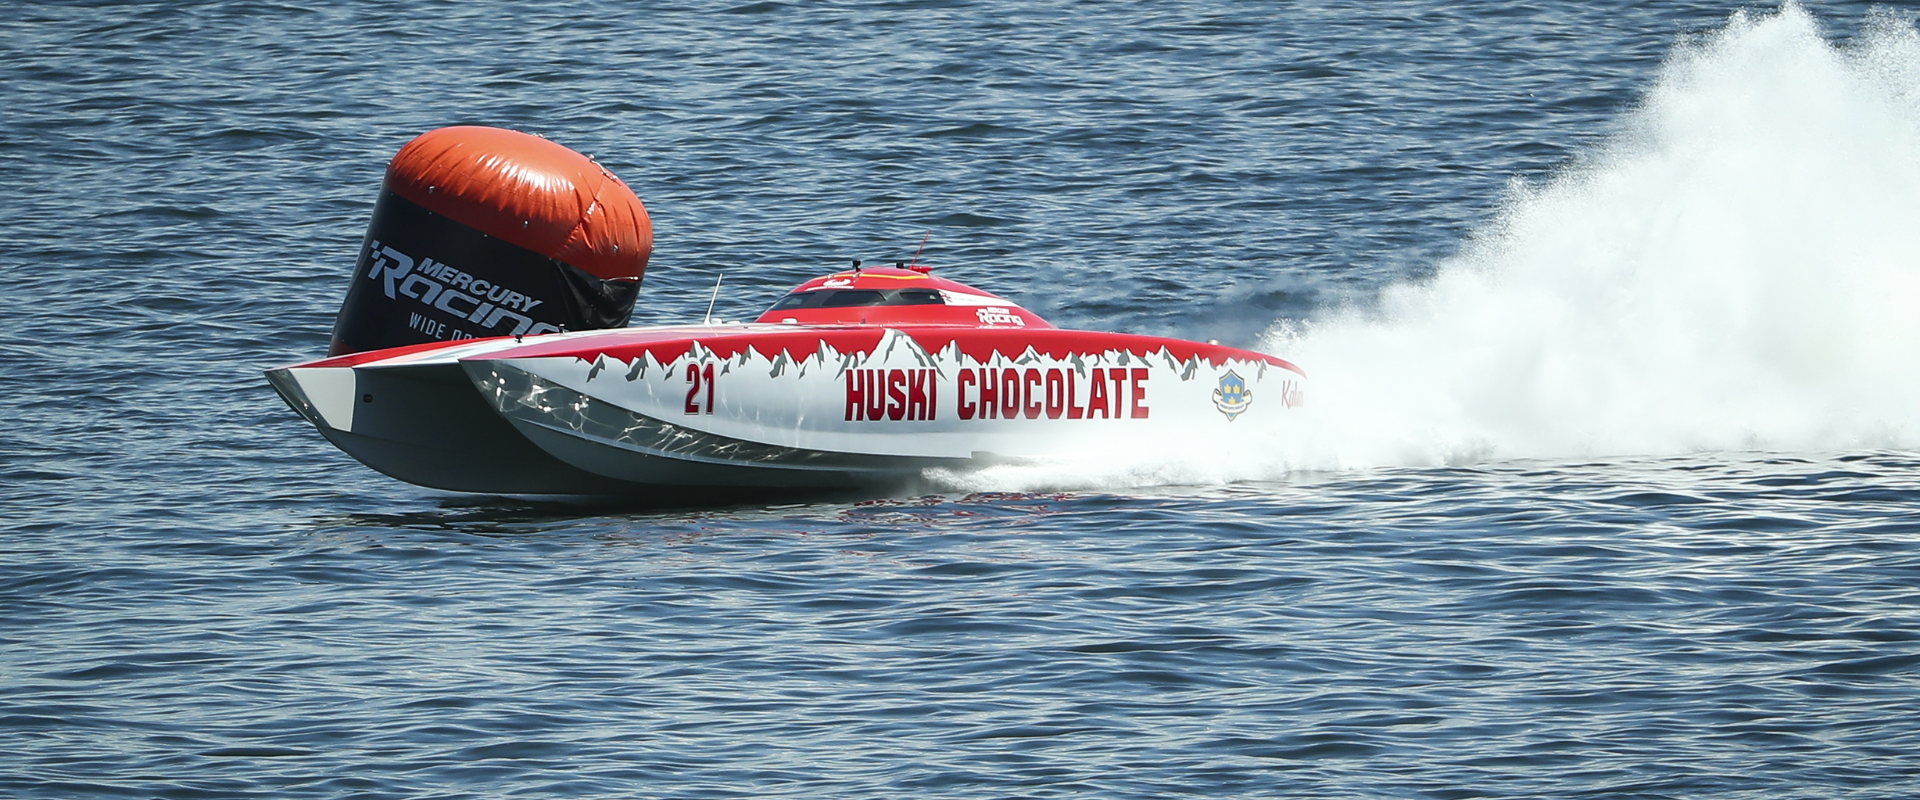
855 378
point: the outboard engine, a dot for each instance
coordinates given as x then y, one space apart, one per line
489 232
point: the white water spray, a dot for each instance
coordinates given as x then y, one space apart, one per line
1738 269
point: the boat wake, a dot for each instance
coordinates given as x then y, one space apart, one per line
1736 269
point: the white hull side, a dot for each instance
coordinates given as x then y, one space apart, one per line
815 420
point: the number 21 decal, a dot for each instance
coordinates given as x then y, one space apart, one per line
696 378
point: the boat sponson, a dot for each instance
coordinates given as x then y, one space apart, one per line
618 443
425 424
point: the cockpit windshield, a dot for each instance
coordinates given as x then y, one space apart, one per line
846 298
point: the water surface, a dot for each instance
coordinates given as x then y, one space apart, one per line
1609 491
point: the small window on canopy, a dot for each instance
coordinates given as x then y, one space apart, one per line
847 298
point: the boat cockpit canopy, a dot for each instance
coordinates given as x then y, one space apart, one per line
893 296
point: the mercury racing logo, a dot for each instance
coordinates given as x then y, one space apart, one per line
440 286
995 315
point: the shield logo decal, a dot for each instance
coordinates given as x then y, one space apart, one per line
1233 396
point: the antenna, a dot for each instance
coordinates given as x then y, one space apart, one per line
717 278
915 264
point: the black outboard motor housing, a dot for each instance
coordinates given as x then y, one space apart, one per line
488 232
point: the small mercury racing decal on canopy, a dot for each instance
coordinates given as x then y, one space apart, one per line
995 315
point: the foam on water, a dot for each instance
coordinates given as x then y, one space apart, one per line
1737 269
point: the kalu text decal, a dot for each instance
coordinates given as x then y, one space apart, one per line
999 393
490 305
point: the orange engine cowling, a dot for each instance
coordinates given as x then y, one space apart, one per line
490 232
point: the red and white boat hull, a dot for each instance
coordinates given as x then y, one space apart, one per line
770 405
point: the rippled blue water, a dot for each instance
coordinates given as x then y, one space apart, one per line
200 598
